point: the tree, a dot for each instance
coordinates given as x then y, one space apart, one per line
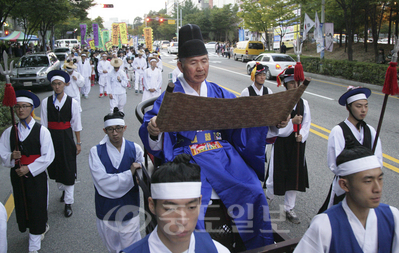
256 17
6 7
224 20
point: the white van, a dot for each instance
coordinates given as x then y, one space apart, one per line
67 43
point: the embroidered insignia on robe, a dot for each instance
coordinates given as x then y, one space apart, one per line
217 136
199 148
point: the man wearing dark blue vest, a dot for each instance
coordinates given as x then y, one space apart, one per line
60 113
113 163
176 202
35 152
360 223
355 99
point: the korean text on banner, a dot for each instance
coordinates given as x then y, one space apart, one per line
95 34
108 45
115 34
123 33
83 28
92 44
329 31
148 37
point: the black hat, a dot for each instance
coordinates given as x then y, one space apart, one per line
361 92
30 95
190 42
60 73
286 76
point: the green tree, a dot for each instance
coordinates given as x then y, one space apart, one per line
224 20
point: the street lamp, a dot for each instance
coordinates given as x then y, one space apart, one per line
74 33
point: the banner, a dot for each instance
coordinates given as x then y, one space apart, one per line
119 38
83 34
95 34
115 34
105 33
92 44
307 25
100 39
108 45
329 30
123 32
148 38
318 36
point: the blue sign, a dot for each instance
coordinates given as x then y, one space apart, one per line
241 35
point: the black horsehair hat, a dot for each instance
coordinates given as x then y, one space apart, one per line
190 42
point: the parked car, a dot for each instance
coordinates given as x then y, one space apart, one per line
31 70
165 44
276 63
61 57
210 46
173 48
62 50
247 50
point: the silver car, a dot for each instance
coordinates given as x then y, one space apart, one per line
276 63
31 70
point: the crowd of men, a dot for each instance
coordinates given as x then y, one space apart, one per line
204 174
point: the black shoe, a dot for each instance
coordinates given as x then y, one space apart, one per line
68 210
62 196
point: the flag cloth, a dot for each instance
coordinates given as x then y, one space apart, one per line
83 28
329 31
307 25
95 34
115 34
318 35
123 33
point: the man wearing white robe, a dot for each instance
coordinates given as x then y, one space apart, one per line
104 67
139 65
116 234
117 83
3 229
360 223
355 100
76 81
84 68
152 80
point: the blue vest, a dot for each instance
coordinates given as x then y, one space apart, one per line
203 244
131 198
343 239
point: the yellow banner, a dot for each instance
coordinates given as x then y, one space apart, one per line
171 22
78 38
123 32
148 38
131 42
108 45
115 34
92 44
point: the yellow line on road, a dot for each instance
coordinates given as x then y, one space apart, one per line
9 206
319 134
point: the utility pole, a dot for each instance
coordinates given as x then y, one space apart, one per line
323 3
177 20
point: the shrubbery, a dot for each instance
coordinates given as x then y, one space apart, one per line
352 70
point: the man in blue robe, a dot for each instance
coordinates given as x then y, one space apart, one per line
231 161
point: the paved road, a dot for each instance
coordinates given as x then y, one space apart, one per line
79 233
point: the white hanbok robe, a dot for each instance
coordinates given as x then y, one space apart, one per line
159 65
152 80
84 68
317 238
115 234
72 89
103 77
3 229
139 65
336 143
117 89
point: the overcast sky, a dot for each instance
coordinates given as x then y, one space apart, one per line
125 9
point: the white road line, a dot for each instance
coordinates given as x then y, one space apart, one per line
310 93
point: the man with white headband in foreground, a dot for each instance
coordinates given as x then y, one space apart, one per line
113 163
61 115
176 201
355 101
29 180
360 223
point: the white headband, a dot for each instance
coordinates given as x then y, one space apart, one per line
114 122
153 60
83 55
358 165
356 97
176 190
58 78
25 99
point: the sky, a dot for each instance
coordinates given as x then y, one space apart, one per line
125 9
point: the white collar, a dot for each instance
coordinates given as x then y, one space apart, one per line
156 245
190 91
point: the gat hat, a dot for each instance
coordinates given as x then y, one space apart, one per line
28 97
355 158
68 64
116 62
258 69
114 119
190 42
58 75
286 76
353 94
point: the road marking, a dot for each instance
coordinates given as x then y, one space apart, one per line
391 167
9 205
317 95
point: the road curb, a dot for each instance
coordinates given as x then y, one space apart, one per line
372 87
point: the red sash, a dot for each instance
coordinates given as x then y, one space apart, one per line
59 125
26 160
